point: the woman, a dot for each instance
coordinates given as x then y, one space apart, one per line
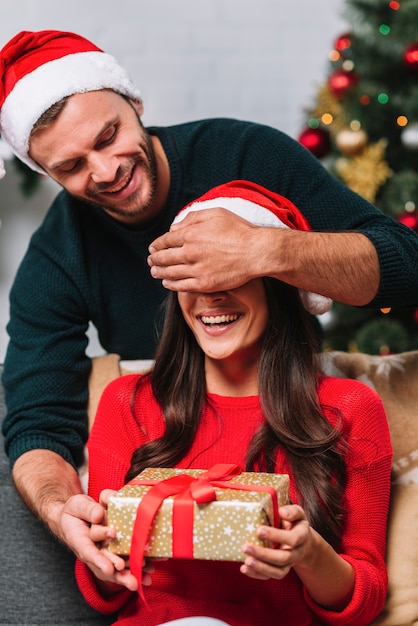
236 380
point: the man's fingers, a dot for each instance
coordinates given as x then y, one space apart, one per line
99 533
105 494
172 239
91 555
85 508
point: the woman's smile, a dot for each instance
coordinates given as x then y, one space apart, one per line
227 324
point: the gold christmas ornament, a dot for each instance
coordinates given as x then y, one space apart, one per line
351 141
365 173
327 103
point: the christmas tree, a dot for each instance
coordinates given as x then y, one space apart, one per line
363 125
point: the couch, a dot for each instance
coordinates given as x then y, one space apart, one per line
37 583
36 578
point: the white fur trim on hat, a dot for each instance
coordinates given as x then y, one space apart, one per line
250 211
47 84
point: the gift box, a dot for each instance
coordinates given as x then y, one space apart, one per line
199 514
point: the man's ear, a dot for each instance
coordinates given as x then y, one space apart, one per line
138 106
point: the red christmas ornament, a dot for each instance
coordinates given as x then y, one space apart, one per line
409 219
341 81
343 42
411 56
316 140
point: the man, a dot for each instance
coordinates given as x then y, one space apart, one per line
69 110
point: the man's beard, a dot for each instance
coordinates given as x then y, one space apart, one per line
149 164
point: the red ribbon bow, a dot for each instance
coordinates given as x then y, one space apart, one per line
187 490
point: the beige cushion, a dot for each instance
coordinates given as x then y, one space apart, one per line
395 378
401 606
105 369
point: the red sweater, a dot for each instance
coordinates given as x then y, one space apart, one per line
218 589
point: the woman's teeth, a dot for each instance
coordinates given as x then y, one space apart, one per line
219 319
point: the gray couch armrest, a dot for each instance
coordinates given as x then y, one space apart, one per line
37 584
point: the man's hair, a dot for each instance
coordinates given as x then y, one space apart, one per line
49 116
288 382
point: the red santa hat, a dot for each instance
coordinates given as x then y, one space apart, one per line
37 69
261 207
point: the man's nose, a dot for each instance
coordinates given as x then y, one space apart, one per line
103 168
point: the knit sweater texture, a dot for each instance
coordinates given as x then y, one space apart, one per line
83 266
218 589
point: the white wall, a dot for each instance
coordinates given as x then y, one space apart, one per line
260 60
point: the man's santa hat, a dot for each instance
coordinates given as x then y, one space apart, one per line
261 207
37 69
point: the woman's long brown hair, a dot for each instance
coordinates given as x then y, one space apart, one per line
288 379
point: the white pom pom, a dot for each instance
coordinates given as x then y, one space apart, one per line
314 303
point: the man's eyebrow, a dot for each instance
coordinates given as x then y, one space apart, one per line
106 126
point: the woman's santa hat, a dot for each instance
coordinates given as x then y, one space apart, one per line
37 69
261 207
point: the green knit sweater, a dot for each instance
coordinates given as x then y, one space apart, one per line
84 266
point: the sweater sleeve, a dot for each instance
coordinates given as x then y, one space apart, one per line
331 206
87 585
46 368
366 503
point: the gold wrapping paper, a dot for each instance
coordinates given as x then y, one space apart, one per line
219 527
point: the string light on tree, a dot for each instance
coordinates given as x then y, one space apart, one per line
384 29
411 56
342 81
383 98
343 43
365 99
327 104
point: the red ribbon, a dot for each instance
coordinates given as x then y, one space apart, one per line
187 490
